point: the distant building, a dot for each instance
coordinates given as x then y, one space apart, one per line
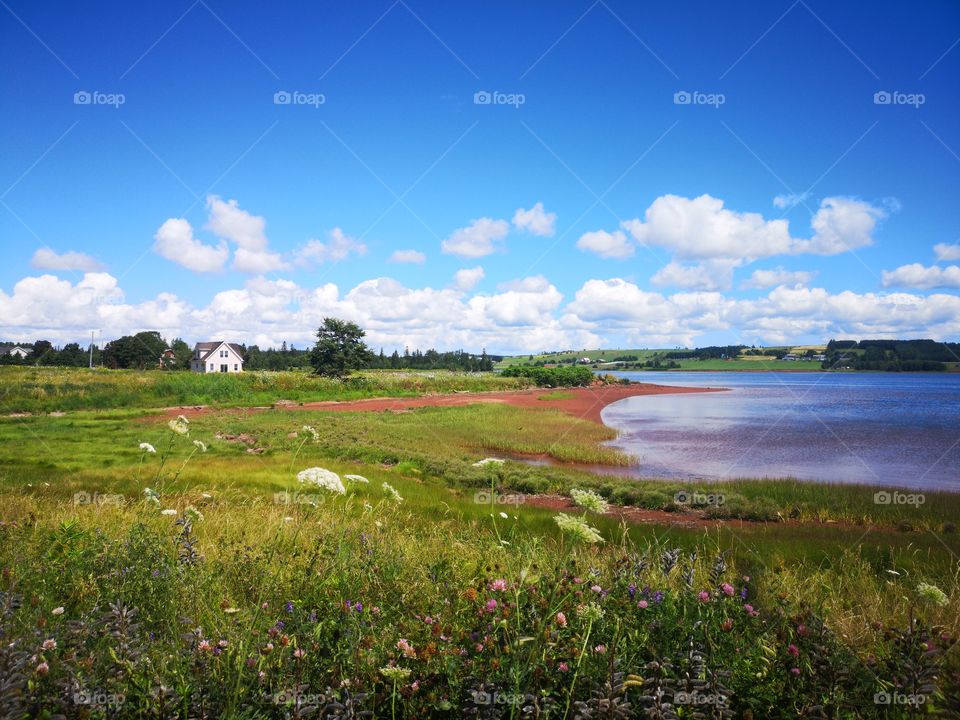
584 361
790 357
821 357
168 359
217 356
14 350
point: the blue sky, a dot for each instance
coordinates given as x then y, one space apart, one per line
399 156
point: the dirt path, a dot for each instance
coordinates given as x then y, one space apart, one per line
583 403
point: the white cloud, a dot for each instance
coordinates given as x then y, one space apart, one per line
526 302
947 252
339 246
761 279
923 278
790 200
467 278
841 225
174 241
414 257
606 245
477 239
47 259
535 220
229 222
714 274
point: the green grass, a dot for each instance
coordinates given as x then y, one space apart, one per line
47 389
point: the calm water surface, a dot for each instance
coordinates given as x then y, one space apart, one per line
881 429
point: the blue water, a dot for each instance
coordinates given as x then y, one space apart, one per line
881 429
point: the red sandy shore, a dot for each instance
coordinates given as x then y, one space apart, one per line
583 403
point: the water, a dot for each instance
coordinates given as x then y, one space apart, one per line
879 429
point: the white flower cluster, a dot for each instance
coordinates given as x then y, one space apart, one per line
489 461
391 492
357 479
181 426
312 431
323 479
147 447
577 528
590 500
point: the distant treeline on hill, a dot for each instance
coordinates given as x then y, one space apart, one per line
891 355
143 350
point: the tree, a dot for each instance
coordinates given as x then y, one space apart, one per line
42 353
183 353
72 355
340 348
135 351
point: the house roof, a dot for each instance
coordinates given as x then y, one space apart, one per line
7 347
205 349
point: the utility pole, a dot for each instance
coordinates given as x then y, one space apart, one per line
91 349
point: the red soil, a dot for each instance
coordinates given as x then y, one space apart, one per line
586 402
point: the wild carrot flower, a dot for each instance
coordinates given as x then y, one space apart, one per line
591 612
577 528
357 479
323 479
391 492
394 673
180 426
151 496
200 445
192 513
168 511
589 500
147 447
932 594
312 432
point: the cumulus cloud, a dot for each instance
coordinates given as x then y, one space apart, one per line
921 277
467 278
535 220
478 239
339 246
607 245
945 252
789 200
762 279
175 241
413 257
47 259
714 274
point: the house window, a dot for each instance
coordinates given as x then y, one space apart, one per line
211 366
235 368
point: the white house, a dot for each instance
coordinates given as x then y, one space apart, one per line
14 350
217 356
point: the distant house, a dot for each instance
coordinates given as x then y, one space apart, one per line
217 356
821 357
168 359
14 350
584 361
790 357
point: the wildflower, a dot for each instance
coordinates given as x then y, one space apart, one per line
288 519
204 646
391 492
168 511
470 594
563 667
299 653
268 648
727 625
596 588
728 589
643 604
793 650
192 513
50 644
312 432
42 668
357 479
589 500
491 605
504 515
231 610
932 594
200 446
600 649
57 611
396 674
323 479
498 585
147 447
151 496
577 528
489 461
795 671
591 612
406 648
703 596
222 643
561 619
180 426
802 630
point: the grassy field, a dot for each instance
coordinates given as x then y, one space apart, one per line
743 362
231 589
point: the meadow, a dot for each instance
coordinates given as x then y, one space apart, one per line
154 567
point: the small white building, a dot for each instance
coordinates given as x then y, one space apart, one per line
217 356
14 350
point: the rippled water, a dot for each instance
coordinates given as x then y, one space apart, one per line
882 429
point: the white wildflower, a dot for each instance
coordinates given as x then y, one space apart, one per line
489 461
391 492
357 479
151 496
200 446
288 519
932 594
147 447
323 479
313 432
179 426
504 515
577 528
192 513
168 511
57 611
590 500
